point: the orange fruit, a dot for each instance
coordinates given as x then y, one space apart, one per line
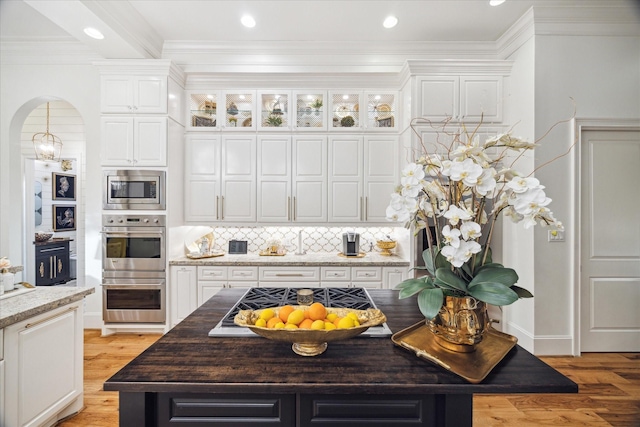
305 324
272 322
317 311
337 320
284 312
295 317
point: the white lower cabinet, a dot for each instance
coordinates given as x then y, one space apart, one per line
289 277
392 276
212 279
184 292
43 368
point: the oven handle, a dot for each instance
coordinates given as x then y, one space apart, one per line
130 233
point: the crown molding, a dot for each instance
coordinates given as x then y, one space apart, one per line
50 51
141 67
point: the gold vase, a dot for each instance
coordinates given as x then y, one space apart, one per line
460 324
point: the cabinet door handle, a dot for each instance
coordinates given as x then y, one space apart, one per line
59 265
288 208
361 209
289 275
50 267
222 208
295 209
41 269
217 207
31 325
366 209
59 248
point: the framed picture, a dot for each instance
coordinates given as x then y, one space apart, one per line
64 186
64 217
386 123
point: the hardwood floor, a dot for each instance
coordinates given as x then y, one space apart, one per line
609 389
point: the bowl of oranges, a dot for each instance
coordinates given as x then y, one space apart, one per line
309 328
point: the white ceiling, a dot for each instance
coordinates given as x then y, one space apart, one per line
315 35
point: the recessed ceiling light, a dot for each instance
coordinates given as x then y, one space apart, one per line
390 22
248 21
496 2
93 33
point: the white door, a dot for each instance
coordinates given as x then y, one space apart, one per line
202 178
150 141
274 178
345 179
117 141
238 200
310 178
610 241
380 175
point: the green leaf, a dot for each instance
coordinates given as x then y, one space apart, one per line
494 293
413 286
441 261
487 265
522 292
428 261
501 275
430 301
446 276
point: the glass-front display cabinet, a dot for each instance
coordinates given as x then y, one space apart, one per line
381 110
273 109
311 110
203 110
239 110
344 110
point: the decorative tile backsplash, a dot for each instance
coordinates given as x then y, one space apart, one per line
314 239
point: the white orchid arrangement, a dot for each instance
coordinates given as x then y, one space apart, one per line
458 196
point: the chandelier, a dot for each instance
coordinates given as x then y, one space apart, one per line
47 145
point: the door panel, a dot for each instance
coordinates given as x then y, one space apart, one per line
610 241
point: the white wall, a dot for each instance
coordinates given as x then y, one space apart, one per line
602 74
23 88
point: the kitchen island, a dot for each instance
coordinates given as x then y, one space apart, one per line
188 378
41 354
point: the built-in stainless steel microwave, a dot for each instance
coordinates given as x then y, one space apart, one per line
134 189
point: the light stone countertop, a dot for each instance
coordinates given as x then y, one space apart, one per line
371 259
37 301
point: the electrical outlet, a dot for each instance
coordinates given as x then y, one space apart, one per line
556 236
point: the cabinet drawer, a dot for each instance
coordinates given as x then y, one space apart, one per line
366 274
290 274
335 273
212 273
242 273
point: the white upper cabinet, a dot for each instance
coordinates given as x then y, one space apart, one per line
134 141
382 111
238 110
133 94
292 178
462 98
220 178
202 178
344 107
363 172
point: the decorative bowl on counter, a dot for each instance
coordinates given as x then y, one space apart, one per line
43 236
386 246
311 342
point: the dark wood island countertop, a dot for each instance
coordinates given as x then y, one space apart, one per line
187 360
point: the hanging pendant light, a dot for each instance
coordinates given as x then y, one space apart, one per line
47 146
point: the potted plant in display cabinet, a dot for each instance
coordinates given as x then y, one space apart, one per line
316 105
274 120
456 197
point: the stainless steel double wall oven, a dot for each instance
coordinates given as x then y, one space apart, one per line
134 268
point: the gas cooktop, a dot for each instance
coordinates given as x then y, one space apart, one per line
259 298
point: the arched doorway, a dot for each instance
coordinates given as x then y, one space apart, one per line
41 197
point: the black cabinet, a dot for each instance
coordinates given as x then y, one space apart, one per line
52 262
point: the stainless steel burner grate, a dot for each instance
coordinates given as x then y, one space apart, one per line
259 298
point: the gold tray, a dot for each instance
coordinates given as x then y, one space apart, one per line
211 255
473 367
360 255
269 253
